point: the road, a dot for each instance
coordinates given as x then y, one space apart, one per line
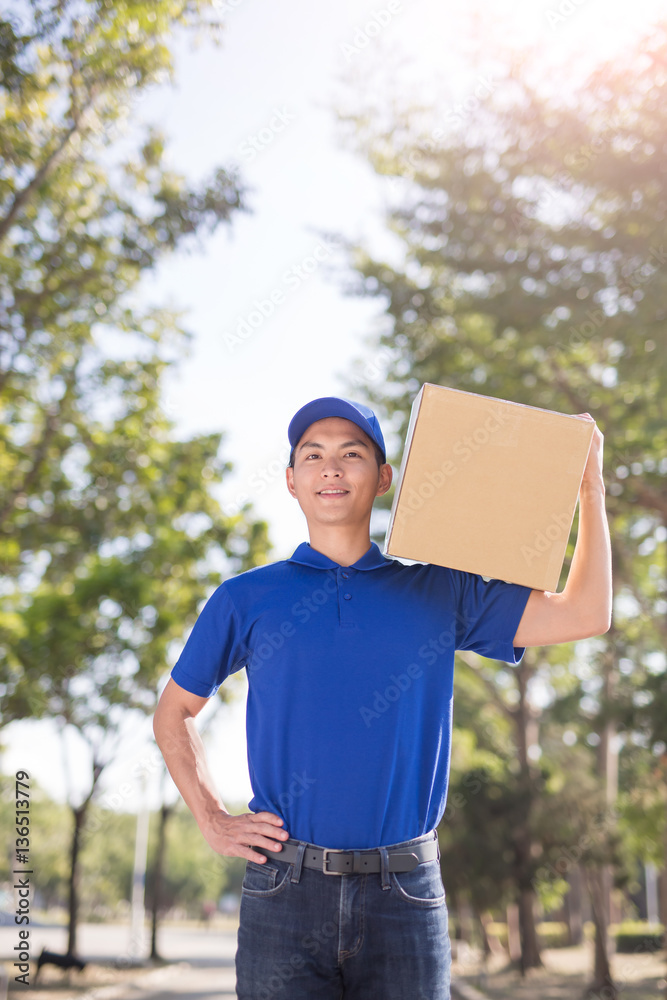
201 963
185 980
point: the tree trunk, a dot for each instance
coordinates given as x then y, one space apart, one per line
608 762
526 728
165 813
574 906
492 945
79 816
662 885
530 944
455 925
513 933
599 894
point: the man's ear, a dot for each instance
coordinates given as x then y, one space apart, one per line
384 481
289 476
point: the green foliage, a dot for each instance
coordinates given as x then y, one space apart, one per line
553 933
534 267
530 265
636 937
111 535
107 519
477 851
107 862
193 874
641 805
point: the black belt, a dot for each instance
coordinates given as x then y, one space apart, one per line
334 862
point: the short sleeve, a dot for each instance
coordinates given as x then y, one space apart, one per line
488 616
214 649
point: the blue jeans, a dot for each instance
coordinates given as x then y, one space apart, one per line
304 935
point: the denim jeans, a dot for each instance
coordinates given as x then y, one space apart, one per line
304 935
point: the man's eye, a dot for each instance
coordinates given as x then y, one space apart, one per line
355 453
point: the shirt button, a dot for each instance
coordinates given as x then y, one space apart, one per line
345 575
348 597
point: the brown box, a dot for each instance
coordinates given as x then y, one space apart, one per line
488 486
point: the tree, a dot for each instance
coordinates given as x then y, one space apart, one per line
110 533
190 879
533 270
79 225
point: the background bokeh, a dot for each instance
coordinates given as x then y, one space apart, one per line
213 212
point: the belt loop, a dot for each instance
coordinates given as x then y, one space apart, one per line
384 868
298 862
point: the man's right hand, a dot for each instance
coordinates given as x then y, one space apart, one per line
235 836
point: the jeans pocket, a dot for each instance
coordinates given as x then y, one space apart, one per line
264 880
422 886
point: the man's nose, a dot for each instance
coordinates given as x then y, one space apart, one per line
331 467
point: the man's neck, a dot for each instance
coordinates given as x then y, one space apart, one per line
341 547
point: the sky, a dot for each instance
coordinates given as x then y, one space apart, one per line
264 298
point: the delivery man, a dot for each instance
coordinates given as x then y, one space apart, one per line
350 658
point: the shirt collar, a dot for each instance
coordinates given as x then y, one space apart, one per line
307 556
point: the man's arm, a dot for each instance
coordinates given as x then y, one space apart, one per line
183 751
583 608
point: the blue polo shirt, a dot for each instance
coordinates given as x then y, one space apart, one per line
350 683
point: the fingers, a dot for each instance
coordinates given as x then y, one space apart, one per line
260 838
269 828
265 817
251 855
263 838
235 836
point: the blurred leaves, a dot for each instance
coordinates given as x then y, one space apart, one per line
110 531
192 873
527 260
111 535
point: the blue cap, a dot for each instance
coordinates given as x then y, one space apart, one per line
335 406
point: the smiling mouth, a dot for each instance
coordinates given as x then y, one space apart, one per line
331 493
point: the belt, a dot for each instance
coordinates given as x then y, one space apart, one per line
331 861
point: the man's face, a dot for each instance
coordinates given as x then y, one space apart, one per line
335 476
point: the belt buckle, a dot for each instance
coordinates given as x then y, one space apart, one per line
326 851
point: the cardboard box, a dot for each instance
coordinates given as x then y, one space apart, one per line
488 486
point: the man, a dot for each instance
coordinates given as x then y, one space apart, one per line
350 668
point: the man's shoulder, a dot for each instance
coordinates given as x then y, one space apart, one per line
268 569
258 577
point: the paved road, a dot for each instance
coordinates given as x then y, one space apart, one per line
201 960
187 981
105 942
201 963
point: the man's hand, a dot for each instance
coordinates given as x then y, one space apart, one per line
583 608
235 836
593 470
